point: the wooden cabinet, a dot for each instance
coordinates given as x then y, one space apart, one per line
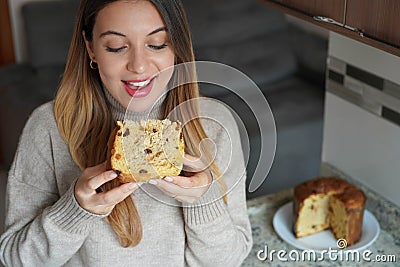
379 19
6 42
331 9
373 22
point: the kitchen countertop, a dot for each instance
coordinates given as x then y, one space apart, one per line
262 209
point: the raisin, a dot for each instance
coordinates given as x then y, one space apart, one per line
312 207
142 171
314 226
117 156
119 133
126 133
181 136
166 140
148 151
154 130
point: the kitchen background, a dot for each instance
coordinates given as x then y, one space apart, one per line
335 100
284 56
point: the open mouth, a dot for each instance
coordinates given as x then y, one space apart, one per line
139 85
139 88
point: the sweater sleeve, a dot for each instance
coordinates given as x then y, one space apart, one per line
43 228
219 234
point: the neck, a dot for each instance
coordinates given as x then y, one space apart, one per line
156 111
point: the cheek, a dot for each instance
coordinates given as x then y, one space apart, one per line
166 66
109 70
168 60
164 60
107 78
107 65
165 76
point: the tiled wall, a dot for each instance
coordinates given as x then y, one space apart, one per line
364 89
362 115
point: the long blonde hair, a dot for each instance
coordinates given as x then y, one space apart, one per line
85 120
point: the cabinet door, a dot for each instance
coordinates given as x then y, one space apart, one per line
379 19
333 9
6 42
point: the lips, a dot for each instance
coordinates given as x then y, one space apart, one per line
138 88
139 84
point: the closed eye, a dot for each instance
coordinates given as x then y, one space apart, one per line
115 50
157 47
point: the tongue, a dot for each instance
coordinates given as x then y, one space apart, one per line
133 87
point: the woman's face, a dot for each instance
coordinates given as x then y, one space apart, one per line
131 47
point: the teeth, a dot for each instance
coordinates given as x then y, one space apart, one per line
139 84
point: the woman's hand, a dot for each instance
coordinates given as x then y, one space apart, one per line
189 188
103 202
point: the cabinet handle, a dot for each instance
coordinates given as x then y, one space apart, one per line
332 21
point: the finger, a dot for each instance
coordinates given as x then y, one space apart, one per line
96 181
176 191
193 164
188 195
116 195
169 189
195 181
96 170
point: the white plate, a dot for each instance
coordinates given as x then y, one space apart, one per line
283 224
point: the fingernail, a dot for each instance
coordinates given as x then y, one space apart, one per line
153 182
132 185
113 175
168 179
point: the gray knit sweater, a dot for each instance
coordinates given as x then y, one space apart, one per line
45 226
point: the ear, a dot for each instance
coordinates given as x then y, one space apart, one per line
89 47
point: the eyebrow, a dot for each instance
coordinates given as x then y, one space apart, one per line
112 33
123 35
157 30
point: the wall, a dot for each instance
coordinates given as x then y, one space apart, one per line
18 28
362 115
19 36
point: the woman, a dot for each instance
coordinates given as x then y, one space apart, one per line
66 208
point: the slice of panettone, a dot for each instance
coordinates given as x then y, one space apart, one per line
145 150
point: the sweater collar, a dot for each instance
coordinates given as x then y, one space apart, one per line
120 113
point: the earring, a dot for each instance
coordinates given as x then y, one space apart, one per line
91 65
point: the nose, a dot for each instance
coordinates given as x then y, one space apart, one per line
137 62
